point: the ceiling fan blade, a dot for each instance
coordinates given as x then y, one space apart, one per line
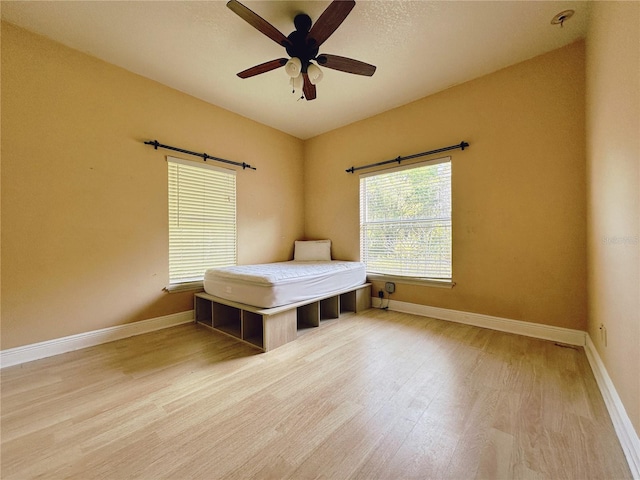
330 20
345 64
263 68
258 22
309 88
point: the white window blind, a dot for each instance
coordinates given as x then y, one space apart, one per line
405 220
202 219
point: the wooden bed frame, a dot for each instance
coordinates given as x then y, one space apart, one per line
269 328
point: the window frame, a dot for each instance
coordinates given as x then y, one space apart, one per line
175 284
410 280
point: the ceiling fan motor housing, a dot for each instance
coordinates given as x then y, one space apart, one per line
300 45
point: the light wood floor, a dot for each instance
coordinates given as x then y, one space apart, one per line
375 395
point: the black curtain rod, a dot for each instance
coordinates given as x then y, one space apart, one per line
196 154
461 146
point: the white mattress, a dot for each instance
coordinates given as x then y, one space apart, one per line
273 284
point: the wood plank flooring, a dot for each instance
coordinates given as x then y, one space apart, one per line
378 395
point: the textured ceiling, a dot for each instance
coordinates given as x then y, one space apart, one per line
419 47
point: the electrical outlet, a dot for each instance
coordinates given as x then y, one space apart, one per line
390 287
380 294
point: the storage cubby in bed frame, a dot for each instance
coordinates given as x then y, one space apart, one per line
268 328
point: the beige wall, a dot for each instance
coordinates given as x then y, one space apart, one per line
84 202
613 175
518 192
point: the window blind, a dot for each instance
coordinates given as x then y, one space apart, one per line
405 220
202 219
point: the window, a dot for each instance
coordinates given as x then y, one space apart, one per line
405 221
202 220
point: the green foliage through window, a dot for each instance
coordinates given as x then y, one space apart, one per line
405 221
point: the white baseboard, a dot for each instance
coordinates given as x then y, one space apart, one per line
528 329
35 351
621 422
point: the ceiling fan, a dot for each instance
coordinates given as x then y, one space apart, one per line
302 46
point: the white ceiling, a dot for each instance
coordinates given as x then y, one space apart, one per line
419 48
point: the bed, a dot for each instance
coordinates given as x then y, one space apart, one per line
310 274
270 304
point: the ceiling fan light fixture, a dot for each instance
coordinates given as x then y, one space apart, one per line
293 67
315 73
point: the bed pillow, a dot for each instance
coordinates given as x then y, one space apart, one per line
312 250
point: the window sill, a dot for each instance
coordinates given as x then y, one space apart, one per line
185 287
427 282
